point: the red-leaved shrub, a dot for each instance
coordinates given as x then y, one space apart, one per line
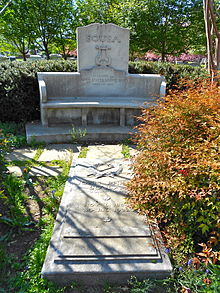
177 171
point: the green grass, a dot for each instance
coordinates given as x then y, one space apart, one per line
13 128
125 151
183 278
15 199
39 151
77 134
28 277
83 152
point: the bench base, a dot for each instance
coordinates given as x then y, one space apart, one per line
55 114
35 132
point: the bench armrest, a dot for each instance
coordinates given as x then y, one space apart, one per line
43 91
163 89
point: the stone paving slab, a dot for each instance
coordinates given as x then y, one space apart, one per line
21 154
59 152
17 171
97 237
36 171
45 171
104 152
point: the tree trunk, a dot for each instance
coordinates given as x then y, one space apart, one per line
47 52
24 56
163 54
208 35
218 52
64 52
23 51
212 38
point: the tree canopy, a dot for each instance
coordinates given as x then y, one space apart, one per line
164 26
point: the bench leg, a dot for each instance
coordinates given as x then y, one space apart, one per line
84 117
122 117
44 118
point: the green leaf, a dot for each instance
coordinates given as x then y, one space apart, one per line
204 228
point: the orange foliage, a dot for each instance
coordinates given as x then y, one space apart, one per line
177 171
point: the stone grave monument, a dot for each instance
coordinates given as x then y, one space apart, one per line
102 97
97 237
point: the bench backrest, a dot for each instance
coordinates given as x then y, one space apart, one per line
101 83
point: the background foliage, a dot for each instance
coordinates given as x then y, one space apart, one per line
165 26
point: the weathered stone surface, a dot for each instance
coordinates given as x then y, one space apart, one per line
36 171
21 155
107 44
104 151
59 152
17 171
97 237
45 171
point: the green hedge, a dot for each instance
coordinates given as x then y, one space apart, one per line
19 93
172 72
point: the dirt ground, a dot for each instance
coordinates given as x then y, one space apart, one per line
18 240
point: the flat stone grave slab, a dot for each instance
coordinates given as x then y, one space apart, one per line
59 152
97 237
104 151
21 155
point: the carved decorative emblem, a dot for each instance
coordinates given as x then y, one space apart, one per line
103 59
105 170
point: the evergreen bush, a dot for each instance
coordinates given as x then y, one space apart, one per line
19 93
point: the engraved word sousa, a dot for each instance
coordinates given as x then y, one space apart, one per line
104 38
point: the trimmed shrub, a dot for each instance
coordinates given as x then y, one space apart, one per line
173 73
19 93
177 179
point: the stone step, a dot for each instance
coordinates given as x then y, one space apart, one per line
61 134
97 237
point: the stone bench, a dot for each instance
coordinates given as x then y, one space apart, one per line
99 96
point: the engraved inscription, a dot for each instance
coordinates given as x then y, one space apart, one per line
103 38
101 78
94 187
100 208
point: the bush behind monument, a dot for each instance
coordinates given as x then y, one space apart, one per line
19 93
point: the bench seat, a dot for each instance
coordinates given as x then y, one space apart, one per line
96 102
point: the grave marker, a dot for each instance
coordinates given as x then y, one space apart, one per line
102 96
97 237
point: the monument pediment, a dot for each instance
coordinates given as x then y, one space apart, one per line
103 45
